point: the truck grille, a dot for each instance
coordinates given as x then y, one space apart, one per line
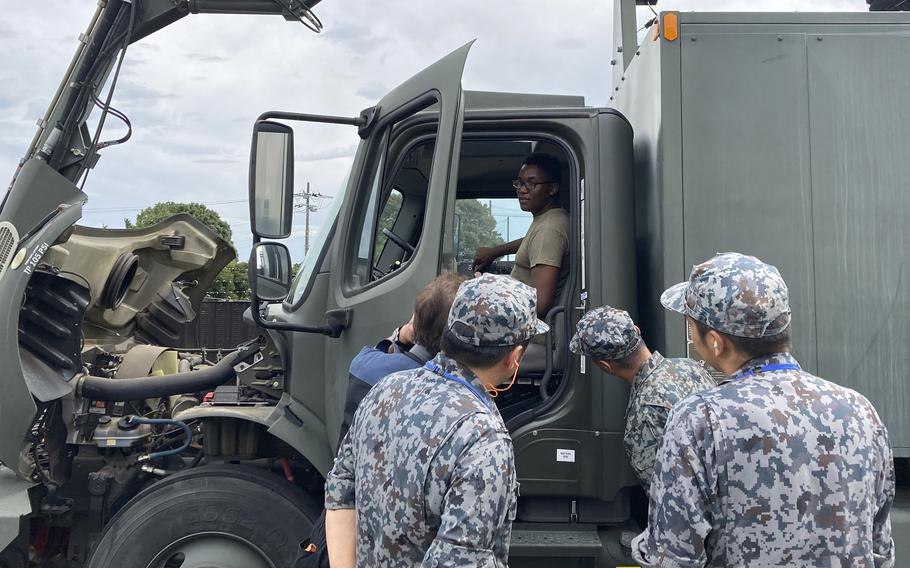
8 238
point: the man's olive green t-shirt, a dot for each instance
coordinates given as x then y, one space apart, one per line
547 242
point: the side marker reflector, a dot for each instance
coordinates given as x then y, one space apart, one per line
671 26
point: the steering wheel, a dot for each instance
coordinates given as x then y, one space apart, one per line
403 244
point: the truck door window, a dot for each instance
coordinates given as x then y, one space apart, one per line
387 221
388 217
362 262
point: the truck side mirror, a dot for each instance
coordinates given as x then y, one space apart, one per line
270 271
271 180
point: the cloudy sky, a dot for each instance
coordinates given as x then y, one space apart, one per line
193 89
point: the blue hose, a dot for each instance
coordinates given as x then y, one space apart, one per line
132 419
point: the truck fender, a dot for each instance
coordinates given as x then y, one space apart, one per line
14 503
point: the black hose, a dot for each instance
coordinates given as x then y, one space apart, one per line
98 388
188 435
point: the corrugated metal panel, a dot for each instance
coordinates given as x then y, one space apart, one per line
220 323
794 149
858 85
746 159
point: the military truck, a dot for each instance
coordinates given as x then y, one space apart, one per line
779 135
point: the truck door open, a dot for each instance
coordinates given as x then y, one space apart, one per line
392 225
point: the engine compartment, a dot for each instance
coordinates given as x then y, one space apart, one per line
122 402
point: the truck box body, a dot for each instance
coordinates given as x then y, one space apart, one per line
784 136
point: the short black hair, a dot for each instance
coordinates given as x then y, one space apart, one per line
751 347
474 357
549 164
629 360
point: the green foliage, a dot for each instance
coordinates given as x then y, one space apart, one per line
477 228
161 211
232 282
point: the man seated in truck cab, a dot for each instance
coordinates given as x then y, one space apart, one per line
541 255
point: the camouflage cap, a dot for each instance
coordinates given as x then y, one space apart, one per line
734 294
605 334
495 311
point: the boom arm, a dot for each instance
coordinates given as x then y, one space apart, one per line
63 138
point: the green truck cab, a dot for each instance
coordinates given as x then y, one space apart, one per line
779 135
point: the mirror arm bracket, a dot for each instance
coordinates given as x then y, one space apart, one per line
336 321
366 121
301 117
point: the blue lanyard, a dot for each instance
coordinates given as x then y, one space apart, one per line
438 370
768 368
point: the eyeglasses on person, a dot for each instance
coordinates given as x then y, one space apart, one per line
529 185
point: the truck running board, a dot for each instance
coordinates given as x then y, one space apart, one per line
545 540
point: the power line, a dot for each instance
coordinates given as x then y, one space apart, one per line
128 209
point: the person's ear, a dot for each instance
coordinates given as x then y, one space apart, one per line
638 330
554 189
515 357
605 366
716 343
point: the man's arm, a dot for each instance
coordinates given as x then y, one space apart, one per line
546 253
340 503
683 492
341 536
478 504
646 427
545 278
882 543
485 256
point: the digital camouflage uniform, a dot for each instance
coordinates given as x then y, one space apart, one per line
772 467
428 462
658 386
607 334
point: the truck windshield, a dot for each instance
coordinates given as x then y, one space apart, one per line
302 281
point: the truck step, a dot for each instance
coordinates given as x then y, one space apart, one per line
555 541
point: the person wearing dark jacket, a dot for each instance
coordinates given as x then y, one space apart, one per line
409 347
412 344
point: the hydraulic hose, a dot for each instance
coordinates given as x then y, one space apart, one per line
99 388
134 420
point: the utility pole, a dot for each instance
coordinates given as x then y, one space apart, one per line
307 203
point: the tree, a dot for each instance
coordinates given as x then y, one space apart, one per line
476 228
232 283
161 211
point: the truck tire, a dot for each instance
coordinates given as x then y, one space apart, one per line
223 516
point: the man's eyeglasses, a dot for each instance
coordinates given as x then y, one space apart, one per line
529 185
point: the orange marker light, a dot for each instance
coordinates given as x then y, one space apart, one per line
671 26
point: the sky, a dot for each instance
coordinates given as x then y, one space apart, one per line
193 89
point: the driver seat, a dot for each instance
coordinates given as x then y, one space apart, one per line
534 363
